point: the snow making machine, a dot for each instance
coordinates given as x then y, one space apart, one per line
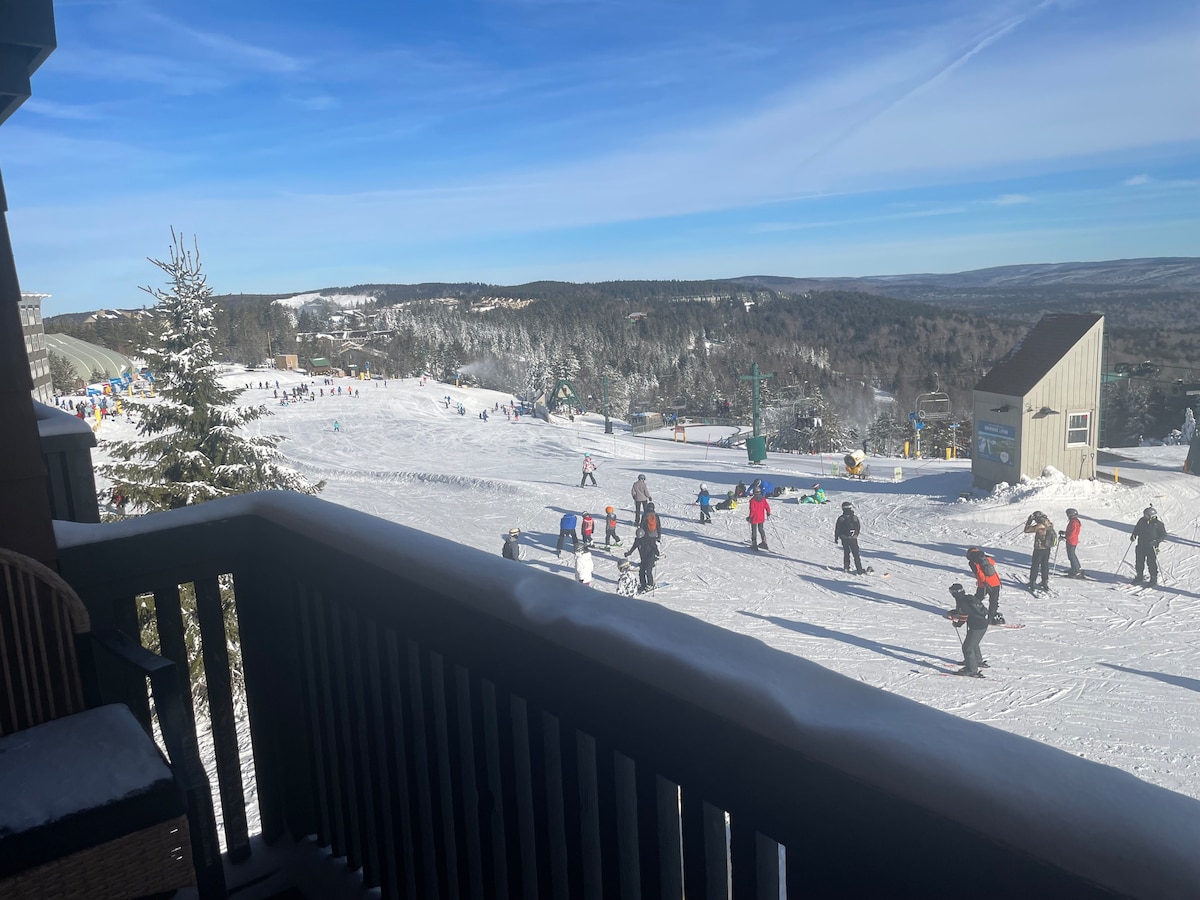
856 465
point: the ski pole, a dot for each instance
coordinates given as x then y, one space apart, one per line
1122 562
960 638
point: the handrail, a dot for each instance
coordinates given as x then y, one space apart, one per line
439 716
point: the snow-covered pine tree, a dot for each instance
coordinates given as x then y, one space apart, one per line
190 447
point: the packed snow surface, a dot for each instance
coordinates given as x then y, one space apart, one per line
1101 668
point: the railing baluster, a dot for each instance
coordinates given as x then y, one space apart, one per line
472 770
575 819
629 856
325 721
755 862
402 775
526 803
215 651
502 782
608 826
556 826
650 862
671 866
347 774
387 839
540 794
448 804
432 858
365 784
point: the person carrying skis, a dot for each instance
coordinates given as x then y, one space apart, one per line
987 582
1044 539
589 469
846 531
566 526
969 610
1149 532
705 508
641 496
512 550
586 528
1070 537
610 528
584 564
625 584
760 510
647 550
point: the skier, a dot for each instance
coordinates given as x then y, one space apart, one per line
705 509
647 549
336 426
583 564
817 496
512 550
846 530
650 523
641 496
970 610
1071 538
730 501
610 528
760 510
1149 532
625 583
586 528
1044 538
987 582
566 526
589 470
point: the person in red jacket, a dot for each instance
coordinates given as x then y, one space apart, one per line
987 581
1071 539
760 509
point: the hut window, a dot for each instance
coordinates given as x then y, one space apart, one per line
1078 430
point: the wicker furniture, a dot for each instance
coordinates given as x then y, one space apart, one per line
89 807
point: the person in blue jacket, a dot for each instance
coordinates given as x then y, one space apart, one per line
566 526
705 505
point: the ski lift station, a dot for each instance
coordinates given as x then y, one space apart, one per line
1039 405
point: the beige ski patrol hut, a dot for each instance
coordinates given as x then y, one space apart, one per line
1039 406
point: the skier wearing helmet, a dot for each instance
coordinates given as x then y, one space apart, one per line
512 550
987 582
626 587
1149 532
647 550
846 531
705 505
589 470
1044 538
610 528
1071 538
641 496
760 510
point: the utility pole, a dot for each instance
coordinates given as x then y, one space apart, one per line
756 408
608 429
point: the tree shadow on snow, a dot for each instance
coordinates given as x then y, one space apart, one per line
1192 684
892 651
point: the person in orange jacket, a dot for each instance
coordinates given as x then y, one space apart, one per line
987 581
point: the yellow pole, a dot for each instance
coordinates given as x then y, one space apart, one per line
1116 476
906 449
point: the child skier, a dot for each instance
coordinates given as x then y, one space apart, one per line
705 509
987 582
586 528
760 510
566 526
512 550
589 470
610 528
583 564
626 587
970 610
817 496
730 501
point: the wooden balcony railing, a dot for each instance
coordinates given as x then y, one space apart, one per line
451 724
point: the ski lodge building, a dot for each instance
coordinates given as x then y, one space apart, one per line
1039 406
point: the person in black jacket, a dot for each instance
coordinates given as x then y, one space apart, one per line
969 609
846 532
1149 532
647 549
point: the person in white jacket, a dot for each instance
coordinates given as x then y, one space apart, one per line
583 565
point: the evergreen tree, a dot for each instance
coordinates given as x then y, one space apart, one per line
62 374
191 449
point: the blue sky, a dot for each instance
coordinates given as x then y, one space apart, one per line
312 144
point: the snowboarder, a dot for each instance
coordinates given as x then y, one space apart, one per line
846 531
625 584
1070 537
969 610
1044 539
583 564
586 528
760 510
730 501
987 582
705 508
610 528
512 549
566 526
1149 532
817 496
641 496
589 470
647 549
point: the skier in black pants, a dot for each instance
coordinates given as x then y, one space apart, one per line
1149 532
647 548
969 609
846 531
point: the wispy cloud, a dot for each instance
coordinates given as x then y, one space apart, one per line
1011 200
69 111
1137 180
230 49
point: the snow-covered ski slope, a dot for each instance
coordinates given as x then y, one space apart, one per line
1100 669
